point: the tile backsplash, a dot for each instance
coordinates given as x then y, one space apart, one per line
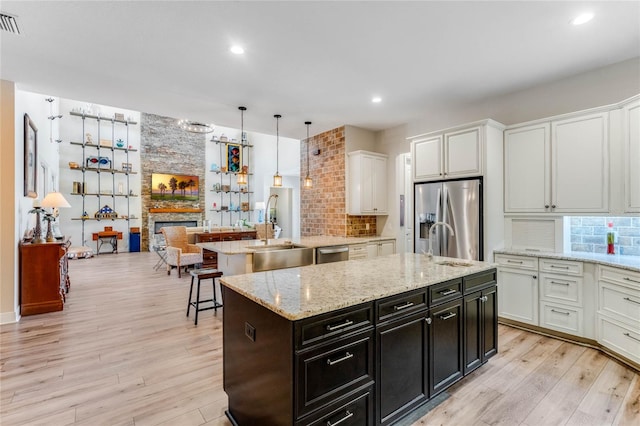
589 234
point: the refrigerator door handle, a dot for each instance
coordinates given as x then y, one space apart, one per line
446 218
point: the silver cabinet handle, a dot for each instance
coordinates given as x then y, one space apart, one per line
559 267
546 206
631 337
560 312
448 292
347 414
631 300
632 280
484 298
427 320
519 262
401 307
448 316
346 356
339 326
559 283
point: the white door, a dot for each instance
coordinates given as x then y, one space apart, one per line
518 295
463 153
386 247
632 157
427 158
580 164
379 190
526 169
408 205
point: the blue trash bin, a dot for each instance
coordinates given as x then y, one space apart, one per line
134 241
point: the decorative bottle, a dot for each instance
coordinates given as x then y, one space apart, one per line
611 238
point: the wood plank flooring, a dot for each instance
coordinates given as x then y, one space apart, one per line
123 353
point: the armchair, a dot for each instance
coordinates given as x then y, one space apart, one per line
179 252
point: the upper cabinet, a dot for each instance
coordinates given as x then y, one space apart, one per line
558 166
631 142
456 152
448 155
367 183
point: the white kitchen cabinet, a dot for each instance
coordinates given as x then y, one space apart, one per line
558 166
631 140
518 288
367 183
448 155
381 248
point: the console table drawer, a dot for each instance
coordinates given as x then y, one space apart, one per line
329 372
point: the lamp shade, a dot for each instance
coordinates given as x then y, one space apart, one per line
55 200
260 205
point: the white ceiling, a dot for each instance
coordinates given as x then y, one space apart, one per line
318 61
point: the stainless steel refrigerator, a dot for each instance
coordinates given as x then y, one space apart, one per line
457 203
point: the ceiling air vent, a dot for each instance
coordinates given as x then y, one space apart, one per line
9 23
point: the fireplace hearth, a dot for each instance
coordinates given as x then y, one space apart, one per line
159 224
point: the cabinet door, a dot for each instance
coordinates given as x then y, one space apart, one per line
372 250
463 153
489 322
526 169
632 157
427 159
402 367
379 190
580 164
446 346
472 331
518 295
386 247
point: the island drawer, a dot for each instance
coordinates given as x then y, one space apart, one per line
479 281
357 410
207 238
443 292
321 328
400 305
328 372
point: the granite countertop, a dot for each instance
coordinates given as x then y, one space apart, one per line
298 293
248 246
631 263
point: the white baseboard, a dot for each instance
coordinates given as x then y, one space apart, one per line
9 317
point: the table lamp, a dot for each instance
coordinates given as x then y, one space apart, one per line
260 205
54 200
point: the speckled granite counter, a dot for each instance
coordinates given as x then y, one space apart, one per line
247 246
631 263
298 293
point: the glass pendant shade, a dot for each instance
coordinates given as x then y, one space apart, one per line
242 178
277 179
308 182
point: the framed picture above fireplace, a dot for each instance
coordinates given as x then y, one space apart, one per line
172 187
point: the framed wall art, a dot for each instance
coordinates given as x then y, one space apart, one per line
30 157
233 157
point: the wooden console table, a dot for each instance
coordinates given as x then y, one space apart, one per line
43 277
108 236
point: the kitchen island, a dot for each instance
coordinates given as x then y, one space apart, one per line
358 342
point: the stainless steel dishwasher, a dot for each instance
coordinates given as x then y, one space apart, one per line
332 254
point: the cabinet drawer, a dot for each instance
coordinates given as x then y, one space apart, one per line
443 292
619 338
620 276
620 302
399 306
209 255
561 266
520 262
329 372
561 288
567 319
479 281
332 325
357 411
207 238
230 236
248 235
357 251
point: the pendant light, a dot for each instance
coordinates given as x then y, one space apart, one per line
277 179
242 174
308 182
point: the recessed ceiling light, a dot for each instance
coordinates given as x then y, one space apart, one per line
376 99
582 19
238 50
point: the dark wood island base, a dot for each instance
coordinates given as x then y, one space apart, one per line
374 363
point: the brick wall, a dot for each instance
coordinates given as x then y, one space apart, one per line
589 234
323 208
166 148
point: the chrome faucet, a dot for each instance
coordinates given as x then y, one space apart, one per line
266 220
433 227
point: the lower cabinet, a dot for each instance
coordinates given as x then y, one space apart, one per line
518 288
480 327
445 346
357 411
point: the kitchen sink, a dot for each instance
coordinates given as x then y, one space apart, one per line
285 246
268 258
454 263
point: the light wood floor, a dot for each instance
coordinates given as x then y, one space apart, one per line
123 353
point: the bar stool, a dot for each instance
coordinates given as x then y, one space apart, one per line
203 274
